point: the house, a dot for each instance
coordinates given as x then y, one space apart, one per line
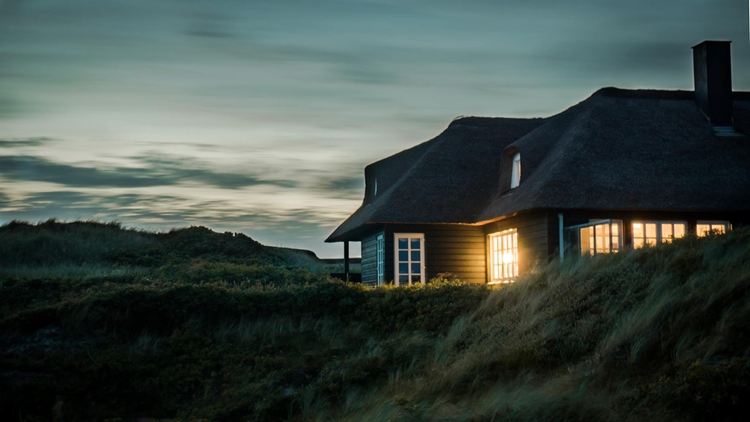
490 197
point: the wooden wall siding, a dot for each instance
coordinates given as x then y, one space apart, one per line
572 218
449 248
370 259
533 237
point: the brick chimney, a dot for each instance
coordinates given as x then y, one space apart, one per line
712 70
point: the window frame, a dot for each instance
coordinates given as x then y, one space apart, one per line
491 257
600 222
727 225
659 235
396 261
515 171
380 258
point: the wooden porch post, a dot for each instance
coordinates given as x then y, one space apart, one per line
346 260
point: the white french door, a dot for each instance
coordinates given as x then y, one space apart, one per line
409 258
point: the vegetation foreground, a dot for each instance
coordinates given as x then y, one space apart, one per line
653 335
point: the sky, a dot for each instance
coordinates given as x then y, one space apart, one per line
259 116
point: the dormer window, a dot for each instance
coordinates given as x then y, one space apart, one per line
515 172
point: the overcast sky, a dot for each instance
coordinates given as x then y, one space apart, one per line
259 116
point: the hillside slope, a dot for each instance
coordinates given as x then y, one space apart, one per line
87 248
648 335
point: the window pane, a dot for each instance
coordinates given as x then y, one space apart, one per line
638 243
615 237
415 244
415 256
415 268
679 231
403 268
718 228
503 255
638 230
666 233
702 229
403 243
403 256
651 230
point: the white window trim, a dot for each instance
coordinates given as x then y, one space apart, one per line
515 171
490 257
658 229
396 237
380 258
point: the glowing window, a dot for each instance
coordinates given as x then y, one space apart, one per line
503 256
515 172
603 237
381 259
704 228
653 232
409 258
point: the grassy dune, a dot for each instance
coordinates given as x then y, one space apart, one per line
649 335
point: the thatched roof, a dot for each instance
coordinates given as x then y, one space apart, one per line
619 149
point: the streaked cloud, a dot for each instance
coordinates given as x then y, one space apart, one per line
24 142
156 172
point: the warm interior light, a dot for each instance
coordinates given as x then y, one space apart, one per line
596 239
503 263
704 229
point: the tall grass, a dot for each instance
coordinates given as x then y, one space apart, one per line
658 334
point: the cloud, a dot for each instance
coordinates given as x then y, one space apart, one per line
158 172
343 187
24 142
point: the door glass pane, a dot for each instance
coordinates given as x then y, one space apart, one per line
586 241
602 238
403 243
403 268
403 279
415 268
415 244
403 255
415 256
416 279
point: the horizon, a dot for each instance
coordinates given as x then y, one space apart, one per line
260 117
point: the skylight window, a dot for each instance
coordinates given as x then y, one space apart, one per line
515 172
